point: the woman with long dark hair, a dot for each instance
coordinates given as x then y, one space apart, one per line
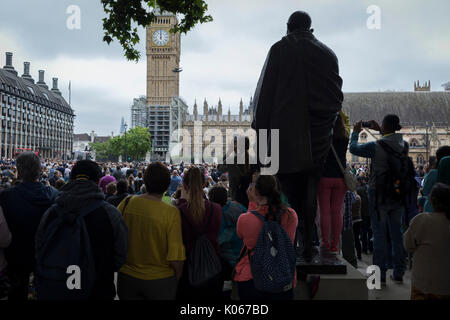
265 198
199 216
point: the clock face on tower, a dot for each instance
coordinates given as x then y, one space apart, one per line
160 37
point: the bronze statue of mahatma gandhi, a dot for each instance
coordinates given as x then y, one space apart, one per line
300 93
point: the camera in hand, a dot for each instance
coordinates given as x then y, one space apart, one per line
366 124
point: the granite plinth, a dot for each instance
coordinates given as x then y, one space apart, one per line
321 263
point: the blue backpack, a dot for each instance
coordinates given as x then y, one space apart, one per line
66 243
273 263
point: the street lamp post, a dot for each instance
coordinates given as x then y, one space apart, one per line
125 126
427 143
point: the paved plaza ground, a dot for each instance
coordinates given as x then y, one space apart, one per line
392 290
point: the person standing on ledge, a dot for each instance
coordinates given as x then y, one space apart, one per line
300 93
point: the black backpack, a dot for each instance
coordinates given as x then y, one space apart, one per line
398 182
66 244
203 262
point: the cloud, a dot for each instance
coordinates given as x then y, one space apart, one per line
224 58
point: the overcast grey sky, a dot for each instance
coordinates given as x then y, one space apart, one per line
224 58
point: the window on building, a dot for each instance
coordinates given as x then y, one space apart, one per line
420 159
413 143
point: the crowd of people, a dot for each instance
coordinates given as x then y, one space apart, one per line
144 221
196 231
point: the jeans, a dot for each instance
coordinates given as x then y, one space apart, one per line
348 247
387 221
366 235
357 236
131 288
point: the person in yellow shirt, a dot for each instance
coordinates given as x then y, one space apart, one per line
156 252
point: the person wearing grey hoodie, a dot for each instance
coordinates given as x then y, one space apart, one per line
107 231
385 213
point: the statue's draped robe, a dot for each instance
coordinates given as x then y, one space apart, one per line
299 93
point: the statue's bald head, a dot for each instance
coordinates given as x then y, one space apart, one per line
299 21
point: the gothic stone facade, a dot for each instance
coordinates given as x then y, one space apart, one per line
424 116
213 118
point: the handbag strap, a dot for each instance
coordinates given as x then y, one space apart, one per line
337 159
127 200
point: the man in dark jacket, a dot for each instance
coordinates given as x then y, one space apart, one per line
23 206
299 93
122 193
366 230
107 231
385 209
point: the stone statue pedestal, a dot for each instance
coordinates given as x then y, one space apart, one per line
321 263
349 286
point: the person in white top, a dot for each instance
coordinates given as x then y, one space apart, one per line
428 238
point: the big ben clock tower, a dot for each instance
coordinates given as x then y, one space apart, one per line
163 60
163 83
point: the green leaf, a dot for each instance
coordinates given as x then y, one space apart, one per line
122 14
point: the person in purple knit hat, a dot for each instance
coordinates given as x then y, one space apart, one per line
104 181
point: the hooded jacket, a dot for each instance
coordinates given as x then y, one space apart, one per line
374 151
229 242
107 231
23 207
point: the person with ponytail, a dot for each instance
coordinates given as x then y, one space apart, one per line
199 216
265 198
428 237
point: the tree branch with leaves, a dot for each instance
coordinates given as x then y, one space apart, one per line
125 16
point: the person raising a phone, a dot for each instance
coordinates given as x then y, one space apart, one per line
385 206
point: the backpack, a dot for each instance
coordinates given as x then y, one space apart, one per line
273 263
66 243
399 181
203 262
